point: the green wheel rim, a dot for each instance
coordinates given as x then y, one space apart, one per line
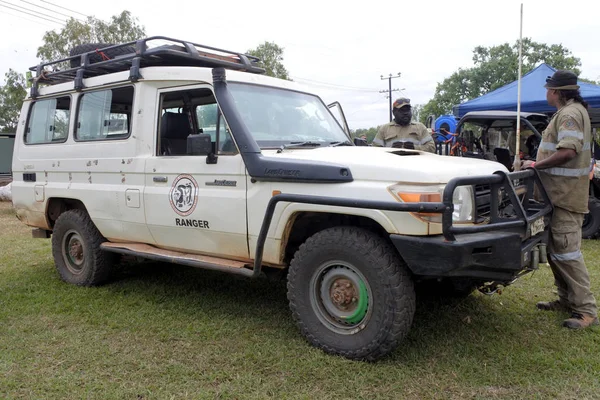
361 309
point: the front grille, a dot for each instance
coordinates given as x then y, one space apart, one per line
483 202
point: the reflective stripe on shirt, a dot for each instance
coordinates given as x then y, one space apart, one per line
426 140
552 146
573 172
574 255
574 134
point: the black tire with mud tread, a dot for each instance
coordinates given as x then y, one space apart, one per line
94 58
97 265
388 277
591 222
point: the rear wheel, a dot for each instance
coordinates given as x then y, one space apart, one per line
350 293
591 221
76 249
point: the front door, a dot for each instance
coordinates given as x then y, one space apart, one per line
196 203
338 113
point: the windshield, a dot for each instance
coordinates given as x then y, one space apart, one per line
277 117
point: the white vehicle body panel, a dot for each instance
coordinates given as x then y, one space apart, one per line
115 179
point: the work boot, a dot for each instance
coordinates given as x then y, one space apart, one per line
580 321
555 305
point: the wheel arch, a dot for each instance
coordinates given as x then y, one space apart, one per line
303 224
58 205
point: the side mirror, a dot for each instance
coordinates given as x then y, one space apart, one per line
199 145
360 142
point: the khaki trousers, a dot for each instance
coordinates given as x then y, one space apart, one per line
566 260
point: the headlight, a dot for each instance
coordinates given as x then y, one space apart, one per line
420 194
464 201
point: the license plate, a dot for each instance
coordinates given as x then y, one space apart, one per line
537 226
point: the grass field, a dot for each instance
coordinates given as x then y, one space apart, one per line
170 332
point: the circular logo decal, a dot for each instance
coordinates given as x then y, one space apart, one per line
184 195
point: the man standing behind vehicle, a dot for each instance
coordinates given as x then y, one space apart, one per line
404 133
563 161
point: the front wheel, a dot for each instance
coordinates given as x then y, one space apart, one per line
350 293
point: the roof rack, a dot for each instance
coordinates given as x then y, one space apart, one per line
135 55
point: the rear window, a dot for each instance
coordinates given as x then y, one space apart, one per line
48 121
105 114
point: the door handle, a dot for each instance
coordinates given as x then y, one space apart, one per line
160 179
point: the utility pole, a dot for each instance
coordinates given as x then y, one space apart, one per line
390 90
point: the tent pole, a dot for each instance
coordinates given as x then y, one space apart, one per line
517 162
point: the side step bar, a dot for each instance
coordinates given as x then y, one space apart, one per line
176 257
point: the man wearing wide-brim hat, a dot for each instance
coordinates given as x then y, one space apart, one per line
563 162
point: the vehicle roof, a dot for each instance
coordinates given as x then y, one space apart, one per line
178 76
500 114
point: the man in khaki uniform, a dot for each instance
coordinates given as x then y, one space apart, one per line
403 133
563 161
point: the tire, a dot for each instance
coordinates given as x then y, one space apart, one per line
372 280
76 250
591 221
96 57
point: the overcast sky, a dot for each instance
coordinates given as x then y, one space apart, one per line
339 50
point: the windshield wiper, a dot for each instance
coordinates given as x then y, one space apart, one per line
298 144
344 143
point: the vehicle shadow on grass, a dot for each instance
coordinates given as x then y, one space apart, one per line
438 320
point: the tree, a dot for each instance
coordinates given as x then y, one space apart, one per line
369 133
494 67
12 94
56 45
121 28
271 56
417 112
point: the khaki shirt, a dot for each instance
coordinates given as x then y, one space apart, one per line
568 184
414 132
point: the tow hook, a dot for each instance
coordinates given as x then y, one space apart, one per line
538 256
490 288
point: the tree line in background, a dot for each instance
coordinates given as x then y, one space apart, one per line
492 68
120 28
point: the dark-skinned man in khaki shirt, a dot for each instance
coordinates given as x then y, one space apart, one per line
563 162
404 133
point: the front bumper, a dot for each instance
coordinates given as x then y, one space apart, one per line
485 256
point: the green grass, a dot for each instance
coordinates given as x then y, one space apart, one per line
169 332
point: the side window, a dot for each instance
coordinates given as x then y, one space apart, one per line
207 115
105 114
210 121
48 121
226 144
190 112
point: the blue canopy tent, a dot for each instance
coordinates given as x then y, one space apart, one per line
533 95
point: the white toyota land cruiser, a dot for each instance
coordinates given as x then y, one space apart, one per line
178 152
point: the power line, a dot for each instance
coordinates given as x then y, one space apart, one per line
48 9
30 20
34 15
354 88
364 105
64 8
